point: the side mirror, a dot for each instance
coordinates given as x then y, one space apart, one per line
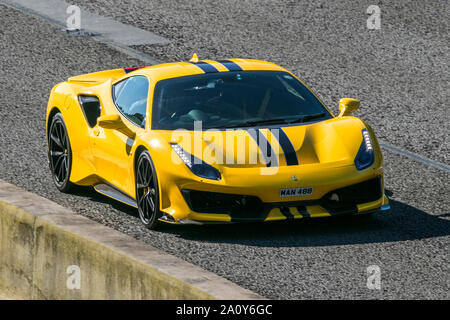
347 106
114 122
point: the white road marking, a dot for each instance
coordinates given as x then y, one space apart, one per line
115 34
107 27
415 156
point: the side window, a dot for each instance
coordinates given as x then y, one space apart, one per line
130 97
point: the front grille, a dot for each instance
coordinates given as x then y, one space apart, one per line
237 206
245 208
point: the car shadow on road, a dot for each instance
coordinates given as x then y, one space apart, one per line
402 223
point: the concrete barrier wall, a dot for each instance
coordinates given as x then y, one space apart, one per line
39 240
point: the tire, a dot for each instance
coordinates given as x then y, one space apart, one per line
147 191
60 154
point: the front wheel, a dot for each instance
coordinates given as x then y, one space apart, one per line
147 192
60 153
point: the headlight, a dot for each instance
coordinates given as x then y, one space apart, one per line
365 155
197 166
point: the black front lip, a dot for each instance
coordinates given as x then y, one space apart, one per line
352 195
383 208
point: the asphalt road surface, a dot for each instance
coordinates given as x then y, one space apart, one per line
400 73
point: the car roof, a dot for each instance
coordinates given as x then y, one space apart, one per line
180 69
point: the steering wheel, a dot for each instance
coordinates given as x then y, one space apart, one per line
225 108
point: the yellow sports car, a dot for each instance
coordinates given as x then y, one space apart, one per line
213 141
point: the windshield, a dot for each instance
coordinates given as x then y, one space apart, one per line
233 99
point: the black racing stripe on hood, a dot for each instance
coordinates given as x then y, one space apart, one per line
286 145
264 146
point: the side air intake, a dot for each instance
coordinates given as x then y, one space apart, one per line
91 108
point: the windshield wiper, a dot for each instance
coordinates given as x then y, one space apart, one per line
252 123
265 121
270 121
308 118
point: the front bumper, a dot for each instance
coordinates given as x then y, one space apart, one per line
309 212
362 197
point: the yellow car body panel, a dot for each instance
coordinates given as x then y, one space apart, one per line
327 150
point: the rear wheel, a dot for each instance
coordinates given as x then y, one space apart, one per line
60 153
147 193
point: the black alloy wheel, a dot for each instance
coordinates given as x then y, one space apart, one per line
60 153
147 193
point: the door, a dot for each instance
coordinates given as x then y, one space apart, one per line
111 148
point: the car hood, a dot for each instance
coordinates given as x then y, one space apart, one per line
335 142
